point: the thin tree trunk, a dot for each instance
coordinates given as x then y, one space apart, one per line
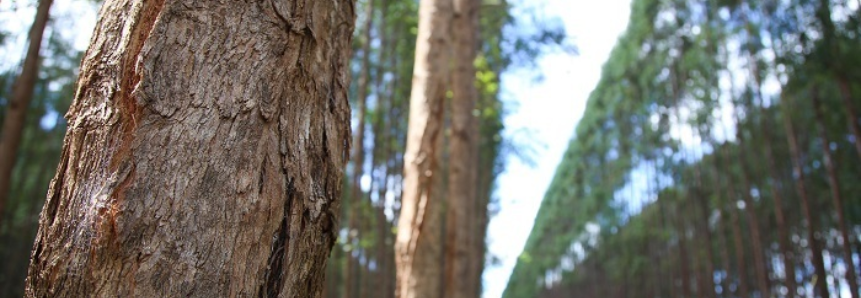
722 199
417 249
204 154
787 255
463 165
725 260
741 265
834 183
708 285
756 238
358 151
780 218
759 262
22 94
798 173
683 253
851 113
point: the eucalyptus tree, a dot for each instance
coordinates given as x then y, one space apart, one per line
22 93
204 154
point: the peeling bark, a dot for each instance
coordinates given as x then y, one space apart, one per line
204 153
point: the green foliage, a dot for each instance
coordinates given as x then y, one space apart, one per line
659 112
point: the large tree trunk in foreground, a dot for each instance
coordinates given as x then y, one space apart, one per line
416 247
463 183
22 93
204 154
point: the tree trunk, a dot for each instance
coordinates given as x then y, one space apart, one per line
849 107
358 150
798 174
204 154
16 111
461 222
786 249
417 249
684 270
834 184
759 263
708 289
780 218
741 265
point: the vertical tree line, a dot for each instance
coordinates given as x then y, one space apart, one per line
714 159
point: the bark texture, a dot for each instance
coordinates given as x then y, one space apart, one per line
416 248
462 187
204 154
22 93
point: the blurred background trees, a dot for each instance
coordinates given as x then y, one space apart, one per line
718 157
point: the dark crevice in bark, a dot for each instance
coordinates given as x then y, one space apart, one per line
274 276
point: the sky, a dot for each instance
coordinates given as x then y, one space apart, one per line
545 114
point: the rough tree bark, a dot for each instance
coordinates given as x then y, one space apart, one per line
417 250
204 154
463 183
22 93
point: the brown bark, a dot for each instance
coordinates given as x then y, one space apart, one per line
22 94
417 247
834 184
462 175
798 173
204 154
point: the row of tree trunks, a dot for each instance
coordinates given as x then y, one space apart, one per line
22 94
204 154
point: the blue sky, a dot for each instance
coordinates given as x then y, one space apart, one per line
545 115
